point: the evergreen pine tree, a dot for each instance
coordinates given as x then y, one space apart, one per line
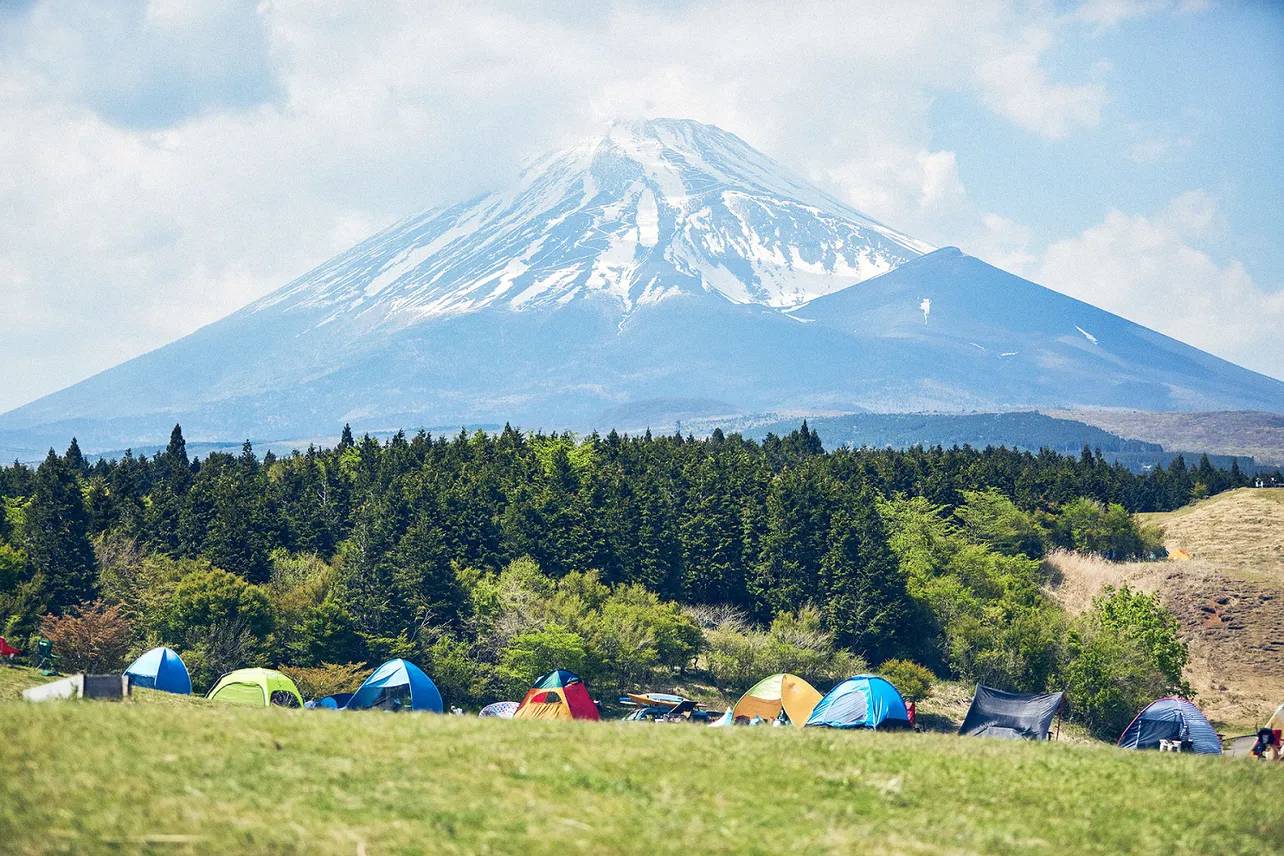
345 440
57 536
75 460
864 590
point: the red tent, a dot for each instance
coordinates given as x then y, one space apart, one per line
7 650
558 695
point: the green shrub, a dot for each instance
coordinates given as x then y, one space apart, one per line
1124 653
1087 526
913 681
739 656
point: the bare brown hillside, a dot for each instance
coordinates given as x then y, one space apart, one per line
1229 598
1234 628
1232 432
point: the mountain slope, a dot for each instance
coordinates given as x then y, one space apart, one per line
1021 342
662 270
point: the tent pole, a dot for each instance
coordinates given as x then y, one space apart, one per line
1060 706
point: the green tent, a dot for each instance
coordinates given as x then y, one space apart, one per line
256 688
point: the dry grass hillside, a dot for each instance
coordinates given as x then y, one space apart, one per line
1240 532
1229 598
1237 432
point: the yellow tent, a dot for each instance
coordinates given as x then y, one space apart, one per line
257 688
1179 556
1276 722
769 696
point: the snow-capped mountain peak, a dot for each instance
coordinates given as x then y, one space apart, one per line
647 210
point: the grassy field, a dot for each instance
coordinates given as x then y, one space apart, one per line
160 775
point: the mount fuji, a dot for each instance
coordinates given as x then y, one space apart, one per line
662 270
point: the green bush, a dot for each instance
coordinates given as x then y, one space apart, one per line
738 656
529 655
1088 526
912 680
1124 653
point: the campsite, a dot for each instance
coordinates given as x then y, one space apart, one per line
167 773
979 710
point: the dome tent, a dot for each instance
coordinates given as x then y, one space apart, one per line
558 695
256 688
781 691
865 701
1171 719
499 710
160 669
397 685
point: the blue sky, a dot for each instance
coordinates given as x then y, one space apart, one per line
165 162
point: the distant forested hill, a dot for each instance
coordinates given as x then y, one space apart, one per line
1027 430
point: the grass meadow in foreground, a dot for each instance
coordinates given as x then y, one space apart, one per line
201 778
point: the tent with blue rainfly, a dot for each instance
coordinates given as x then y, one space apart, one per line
160 669
1172 719
397 685
331 702
865 701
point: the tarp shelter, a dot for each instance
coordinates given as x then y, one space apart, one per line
256 688
161 669
865 701
1011 716
773 694
1171 719
499 710
558 695
397 685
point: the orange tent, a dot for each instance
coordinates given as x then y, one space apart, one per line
1179 556
778 692
557 695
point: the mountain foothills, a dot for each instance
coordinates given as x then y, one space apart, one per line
634 561
663 270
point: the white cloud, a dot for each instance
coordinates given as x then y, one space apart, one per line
163 163
1014 83
1108 13
1152 271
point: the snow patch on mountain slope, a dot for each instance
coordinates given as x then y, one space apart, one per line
647 211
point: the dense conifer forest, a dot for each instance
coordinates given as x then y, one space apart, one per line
491 557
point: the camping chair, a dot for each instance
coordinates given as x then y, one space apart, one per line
8 652
45 660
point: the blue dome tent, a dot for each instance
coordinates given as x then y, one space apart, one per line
865 701
1172 719
160 669
397 685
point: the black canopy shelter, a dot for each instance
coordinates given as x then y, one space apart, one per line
1011 716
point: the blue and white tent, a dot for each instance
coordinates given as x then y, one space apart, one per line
1172 719
397 685
865 701
160 669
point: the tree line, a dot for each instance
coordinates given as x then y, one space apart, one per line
488 555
